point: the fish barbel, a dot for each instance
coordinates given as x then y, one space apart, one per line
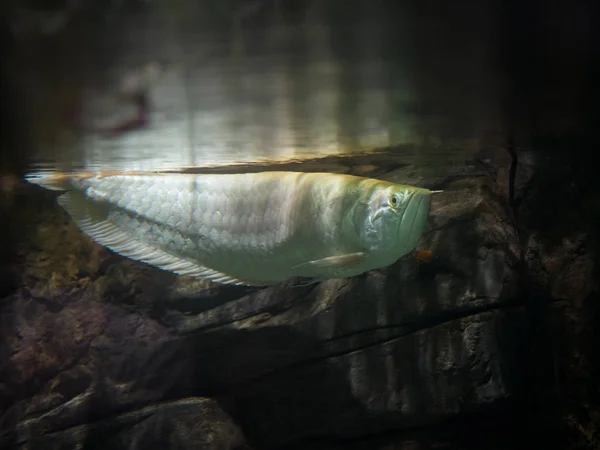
247 229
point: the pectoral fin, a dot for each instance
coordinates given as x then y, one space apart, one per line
346 261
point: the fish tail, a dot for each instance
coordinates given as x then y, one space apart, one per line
56 181
50 181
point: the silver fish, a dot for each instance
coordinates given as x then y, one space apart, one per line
247 229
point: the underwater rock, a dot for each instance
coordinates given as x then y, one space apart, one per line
189 423
97 345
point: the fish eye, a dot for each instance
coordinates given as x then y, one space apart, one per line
394 201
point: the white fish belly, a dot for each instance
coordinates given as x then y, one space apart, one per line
251 227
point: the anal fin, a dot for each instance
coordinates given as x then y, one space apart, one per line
92 220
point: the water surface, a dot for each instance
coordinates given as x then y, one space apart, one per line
192 84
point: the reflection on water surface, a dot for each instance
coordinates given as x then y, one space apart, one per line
162 86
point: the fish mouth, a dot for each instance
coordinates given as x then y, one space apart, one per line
413 221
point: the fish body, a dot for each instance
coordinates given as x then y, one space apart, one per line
250 229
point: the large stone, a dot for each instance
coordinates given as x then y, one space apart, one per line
96 345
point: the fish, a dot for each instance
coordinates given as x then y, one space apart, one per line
424 256
251 229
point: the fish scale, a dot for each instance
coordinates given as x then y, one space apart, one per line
256 228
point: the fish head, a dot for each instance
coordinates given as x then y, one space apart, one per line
393 219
